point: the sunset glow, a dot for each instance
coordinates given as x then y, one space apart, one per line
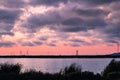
59 27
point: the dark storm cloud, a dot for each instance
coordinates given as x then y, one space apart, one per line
27 44
12 3
7 20
111 41
115 6
78 40
5 27
95 23
47 2
73 21
43 38
113 29
57 2
51 44
37 43
70 28
77 25
32 43
77 18
9 16
113 32
39 20
97 2
75 45
7 33
91 12
6 44
54 20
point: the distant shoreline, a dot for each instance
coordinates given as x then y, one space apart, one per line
60 56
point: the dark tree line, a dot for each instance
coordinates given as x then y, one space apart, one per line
72 72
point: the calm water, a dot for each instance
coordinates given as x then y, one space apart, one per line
54 65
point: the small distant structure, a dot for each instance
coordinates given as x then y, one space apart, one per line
48 53
20 52
27 52
118 45
77 53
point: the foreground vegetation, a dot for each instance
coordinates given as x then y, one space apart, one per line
73 72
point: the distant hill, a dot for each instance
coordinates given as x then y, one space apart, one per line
115 54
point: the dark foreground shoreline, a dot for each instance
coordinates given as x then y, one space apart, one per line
59 56
72 72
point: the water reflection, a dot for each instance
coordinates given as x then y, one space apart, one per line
54 65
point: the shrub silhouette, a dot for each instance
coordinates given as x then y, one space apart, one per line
72 72
31 75
10 68
87 75
113 76
71 69
9 71
111 69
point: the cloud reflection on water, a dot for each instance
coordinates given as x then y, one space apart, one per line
54 65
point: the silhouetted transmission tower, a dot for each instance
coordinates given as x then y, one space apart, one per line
76 52
118 47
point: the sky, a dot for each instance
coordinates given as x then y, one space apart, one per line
47 27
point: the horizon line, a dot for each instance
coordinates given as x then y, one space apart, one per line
59 56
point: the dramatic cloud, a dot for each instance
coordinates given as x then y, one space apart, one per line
76 24
91 12
51 44
47 2
75 45
28 44
12 3
9 16
113 32
97 2
48 22
43 38
56 21
34 43
5 27
39 20
57 2
77 40
7 21
6 44
7 33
